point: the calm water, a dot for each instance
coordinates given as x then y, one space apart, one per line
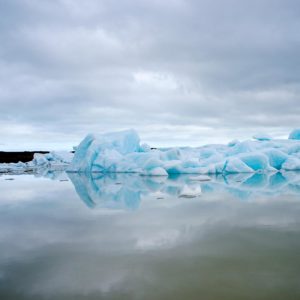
133 237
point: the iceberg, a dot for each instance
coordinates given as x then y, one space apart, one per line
295 134
121 152
105 153
291 164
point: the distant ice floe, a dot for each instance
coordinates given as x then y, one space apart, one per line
121 152
40 163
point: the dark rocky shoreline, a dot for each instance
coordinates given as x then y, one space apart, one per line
14 157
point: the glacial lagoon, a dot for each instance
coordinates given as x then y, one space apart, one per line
126 236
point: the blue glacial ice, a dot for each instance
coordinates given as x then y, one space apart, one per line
295 134
122 152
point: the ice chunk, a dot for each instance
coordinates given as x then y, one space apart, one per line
295 134
291 164
62 156
51 159
200 178
190 191
243 147
236 165
276 158
294 149
40 159
145 148
233 143
262 137
158 171
256 161
94 147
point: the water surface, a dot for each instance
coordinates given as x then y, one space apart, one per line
132 237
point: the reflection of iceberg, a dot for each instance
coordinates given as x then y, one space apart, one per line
125 191
114 190
107 191
54 174
250 186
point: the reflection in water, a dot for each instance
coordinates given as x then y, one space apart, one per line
212 246
127 190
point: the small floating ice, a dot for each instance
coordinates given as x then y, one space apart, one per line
190 191
200 178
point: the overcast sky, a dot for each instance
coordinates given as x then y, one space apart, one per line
181 72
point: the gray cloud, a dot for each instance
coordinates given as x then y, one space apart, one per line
179 72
